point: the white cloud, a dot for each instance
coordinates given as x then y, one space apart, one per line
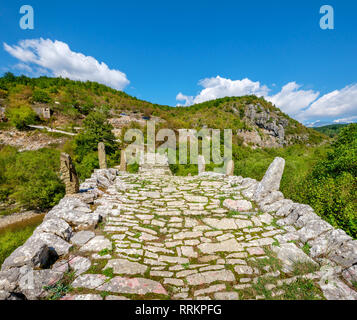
219 87
304 105
189 100
292 100
58 58
346 120
338 103
313 124
23 67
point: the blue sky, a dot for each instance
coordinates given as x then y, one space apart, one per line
195 50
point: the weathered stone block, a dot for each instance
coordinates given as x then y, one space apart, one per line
271 179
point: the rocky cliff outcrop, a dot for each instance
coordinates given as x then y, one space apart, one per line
270 122
267 127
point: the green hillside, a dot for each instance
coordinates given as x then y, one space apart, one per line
331 130
71 101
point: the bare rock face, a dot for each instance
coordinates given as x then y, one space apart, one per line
82 237
75 212
345 255
290 254
271 179
57 227
69 174
350 274
8 280
271 198
333 288
102 156
57 245
33 284
266 120
33 253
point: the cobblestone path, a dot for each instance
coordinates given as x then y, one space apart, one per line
167 237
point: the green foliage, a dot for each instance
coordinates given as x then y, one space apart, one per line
301 268
299 160
21 117
331 187
9 77
87 165
306 248
133 168
95 129
60 288
77 99
30 178
7 156
109 272
301 289
104 252
3 94
331 130
321 177
41 96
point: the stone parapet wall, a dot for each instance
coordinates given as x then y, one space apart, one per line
332 248
33 265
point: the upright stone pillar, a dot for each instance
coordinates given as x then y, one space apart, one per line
201 164
230 168
271 179
69 174
123 161
102 156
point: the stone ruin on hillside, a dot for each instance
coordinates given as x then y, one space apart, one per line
2 114
43 112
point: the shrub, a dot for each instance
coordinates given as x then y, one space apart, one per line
133 168
31 178
334 199
7 155
41 96
87 165
95 129
3 94
21 117
331 187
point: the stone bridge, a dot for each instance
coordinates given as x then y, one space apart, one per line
152 235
